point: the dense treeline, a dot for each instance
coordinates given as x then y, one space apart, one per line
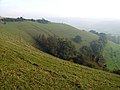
12 19
63 48
59 47
93 53
44 21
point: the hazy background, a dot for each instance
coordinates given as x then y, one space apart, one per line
61 8
107 25
101 15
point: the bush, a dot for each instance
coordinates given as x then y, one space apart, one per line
43 21
77 39
90 64
116 72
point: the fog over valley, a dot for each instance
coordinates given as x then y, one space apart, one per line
106 25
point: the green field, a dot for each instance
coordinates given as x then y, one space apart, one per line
24 67
112 55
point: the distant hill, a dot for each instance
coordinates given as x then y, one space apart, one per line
101 25
112 26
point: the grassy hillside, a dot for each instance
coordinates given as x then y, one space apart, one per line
25 32
28 30
24 67
112 55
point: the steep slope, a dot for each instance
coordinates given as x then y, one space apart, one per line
24 67
28 30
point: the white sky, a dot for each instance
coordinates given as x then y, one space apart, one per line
61 8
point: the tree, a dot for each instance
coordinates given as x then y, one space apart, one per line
51 45
97 47
87 53
66 49
32 20
103 38
77 39
79 59
43 21
94 32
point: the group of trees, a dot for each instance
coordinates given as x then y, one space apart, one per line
12 19
90 55
44 21
94 32
102 36
93 52
59 47
63 48
97 47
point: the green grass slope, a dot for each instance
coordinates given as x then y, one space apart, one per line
25 32
112 55
28 30
22 67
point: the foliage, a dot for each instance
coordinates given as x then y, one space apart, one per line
23 19
64 49
116 72
93 53
87 52
43 21
102 36
77 39
79 59
59 47
94 32
12 19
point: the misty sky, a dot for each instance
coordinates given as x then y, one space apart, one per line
61 8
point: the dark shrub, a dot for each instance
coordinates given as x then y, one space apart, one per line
116 72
